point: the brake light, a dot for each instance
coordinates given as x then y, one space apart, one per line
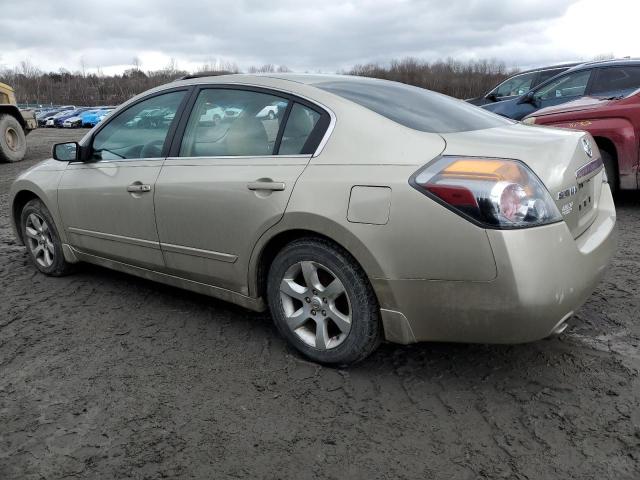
493 192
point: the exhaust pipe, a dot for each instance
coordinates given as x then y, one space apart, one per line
562 325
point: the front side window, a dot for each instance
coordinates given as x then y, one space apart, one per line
139 131
233 123
570 85
518 85
616 80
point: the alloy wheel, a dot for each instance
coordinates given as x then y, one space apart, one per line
316 305
39 239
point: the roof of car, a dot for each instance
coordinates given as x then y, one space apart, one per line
303 78
607 63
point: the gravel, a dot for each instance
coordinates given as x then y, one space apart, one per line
104 375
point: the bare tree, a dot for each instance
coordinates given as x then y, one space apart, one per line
459 79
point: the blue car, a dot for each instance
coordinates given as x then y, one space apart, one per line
606 79
93 117
59 119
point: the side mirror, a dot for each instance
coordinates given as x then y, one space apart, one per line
492 96
66 152
526 98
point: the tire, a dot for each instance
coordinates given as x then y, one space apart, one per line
46 239
348 308
13 141
612 171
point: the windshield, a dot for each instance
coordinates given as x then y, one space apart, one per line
515 86
414 107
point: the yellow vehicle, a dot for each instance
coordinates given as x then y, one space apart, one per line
15 124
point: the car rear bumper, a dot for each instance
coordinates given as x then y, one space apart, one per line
544 275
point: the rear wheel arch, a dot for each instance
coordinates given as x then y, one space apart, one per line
267 249
606 145
14 112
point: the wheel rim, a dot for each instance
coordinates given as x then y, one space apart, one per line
11 138
316 305
39 240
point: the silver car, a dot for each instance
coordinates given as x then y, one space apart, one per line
367 211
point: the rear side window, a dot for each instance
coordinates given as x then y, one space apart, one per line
616 80
300 125
414 107
233 123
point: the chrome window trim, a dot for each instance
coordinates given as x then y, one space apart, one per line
240 157
332 115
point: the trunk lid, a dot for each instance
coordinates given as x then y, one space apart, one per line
558 157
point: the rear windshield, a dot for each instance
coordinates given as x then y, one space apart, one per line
414 107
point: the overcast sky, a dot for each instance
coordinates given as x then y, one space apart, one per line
310 35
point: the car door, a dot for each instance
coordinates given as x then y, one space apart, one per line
106 202
226 182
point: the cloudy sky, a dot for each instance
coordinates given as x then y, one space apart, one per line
310 35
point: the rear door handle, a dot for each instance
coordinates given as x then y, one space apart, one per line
266 185
138 188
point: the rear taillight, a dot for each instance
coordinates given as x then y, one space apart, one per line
492 192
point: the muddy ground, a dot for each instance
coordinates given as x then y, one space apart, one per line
104 375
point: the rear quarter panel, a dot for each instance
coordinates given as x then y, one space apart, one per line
421 239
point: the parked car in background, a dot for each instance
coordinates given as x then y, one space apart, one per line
272 111
602 79
614 123
232 112
48 114
82 119
520 83
50 121
92 118
59 120
42 116
212 115
102 115
436 222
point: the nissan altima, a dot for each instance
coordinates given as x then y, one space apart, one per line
368 210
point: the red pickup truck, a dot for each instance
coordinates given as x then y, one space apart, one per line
613 122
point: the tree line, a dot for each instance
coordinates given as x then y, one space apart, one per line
35 87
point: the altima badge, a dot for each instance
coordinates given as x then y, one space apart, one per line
586 145
567 193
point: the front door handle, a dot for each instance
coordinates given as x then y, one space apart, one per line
138 188
266 185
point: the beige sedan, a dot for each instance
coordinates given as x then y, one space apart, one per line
361 210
